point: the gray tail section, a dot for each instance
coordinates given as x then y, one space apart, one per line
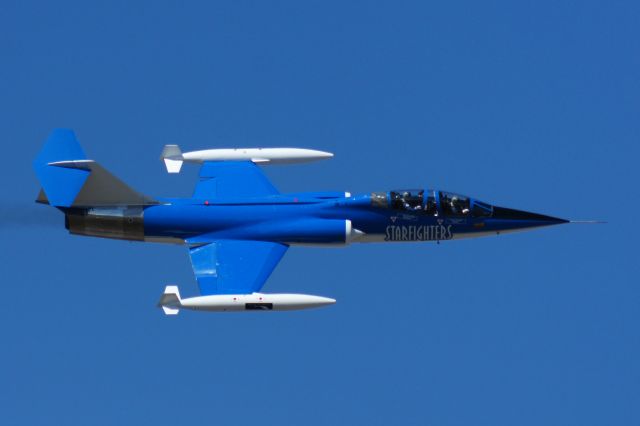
104 189
69 179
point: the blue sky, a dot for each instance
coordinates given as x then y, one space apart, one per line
531 105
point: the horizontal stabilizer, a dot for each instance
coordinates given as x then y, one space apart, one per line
69 179
101 188
60 185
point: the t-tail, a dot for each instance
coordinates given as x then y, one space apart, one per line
94 201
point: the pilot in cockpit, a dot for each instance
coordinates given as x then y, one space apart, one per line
405 200
418 205
412 202
453 204
456 205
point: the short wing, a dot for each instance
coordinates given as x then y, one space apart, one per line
234 266
231 179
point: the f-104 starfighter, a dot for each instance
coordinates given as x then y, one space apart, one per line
237 225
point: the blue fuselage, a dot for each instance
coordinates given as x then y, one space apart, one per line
317 218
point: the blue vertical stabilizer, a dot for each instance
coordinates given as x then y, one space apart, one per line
69 179
60 184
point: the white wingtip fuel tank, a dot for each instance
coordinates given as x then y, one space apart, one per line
173 157
171 302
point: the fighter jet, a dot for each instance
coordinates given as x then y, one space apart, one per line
237 225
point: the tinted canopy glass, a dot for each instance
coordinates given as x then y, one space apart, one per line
432 203
481 209
454 204
407 199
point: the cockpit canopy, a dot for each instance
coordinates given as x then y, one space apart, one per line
431 202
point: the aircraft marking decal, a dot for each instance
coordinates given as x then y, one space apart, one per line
418 233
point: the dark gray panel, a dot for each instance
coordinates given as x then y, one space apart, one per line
104 189
42 197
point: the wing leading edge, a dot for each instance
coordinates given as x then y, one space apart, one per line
234 266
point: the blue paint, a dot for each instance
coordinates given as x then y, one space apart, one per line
234 267
238 226
60 184
309 220
527 104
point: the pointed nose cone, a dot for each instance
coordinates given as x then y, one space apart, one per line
290 302
502 213
323 155
512 214
324 301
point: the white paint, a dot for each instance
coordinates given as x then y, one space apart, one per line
69 162
171 302
173 166
173 157
347 231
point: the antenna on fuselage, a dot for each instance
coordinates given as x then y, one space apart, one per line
588 222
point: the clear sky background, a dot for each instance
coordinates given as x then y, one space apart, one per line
532 105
